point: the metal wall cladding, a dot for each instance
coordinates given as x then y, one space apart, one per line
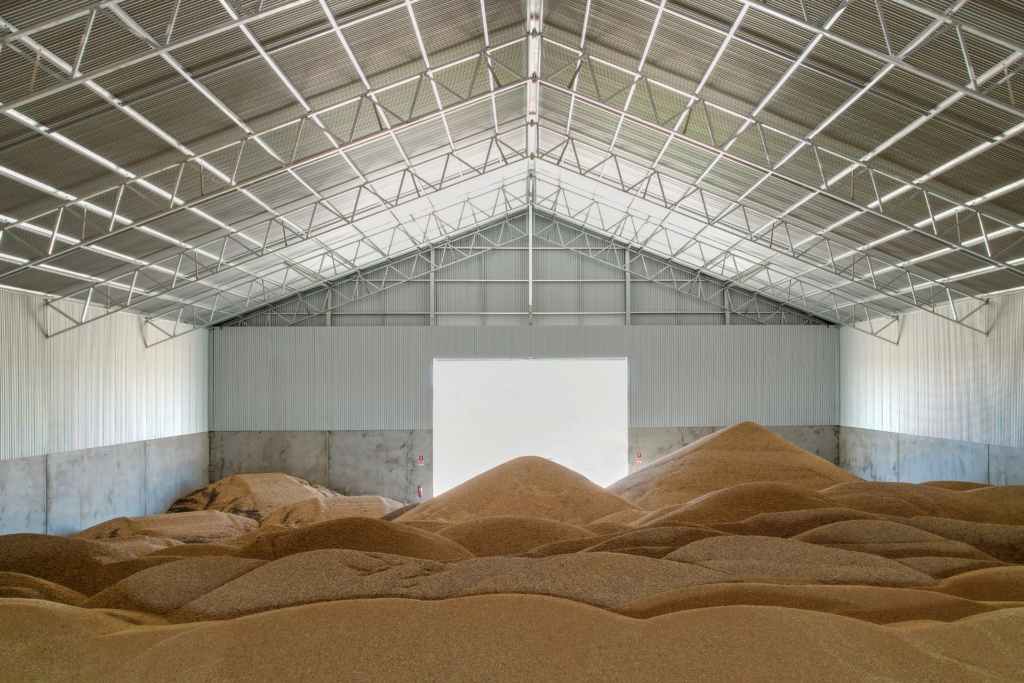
942 380
95 386
380 377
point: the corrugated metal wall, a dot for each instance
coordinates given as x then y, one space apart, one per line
96 386
380 378
942 380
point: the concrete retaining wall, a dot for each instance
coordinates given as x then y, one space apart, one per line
64 493
355 463
385 463
889 456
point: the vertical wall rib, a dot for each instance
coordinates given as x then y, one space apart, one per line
941 381
95 386
380 377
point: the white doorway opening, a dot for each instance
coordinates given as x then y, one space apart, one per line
574 412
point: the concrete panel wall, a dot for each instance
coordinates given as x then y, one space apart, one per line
869 454
90 486
175 466
1005 465
382 463
822 440
386 462
372 462
890 456
23 495
300 454
64 493
923 458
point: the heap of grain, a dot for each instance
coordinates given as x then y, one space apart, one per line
531 572
524 487
255 496
741 454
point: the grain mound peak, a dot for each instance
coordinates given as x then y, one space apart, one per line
741 454
524 487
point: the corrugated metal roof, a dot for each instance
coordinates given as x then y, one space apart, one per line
922 122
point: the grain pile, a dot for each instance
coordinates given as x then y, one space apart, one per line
916 500
743 501
490 536
955 485
313 510
1001 583
354 533
140 545
760 558
722 560
888 539
871 603
255 496
741 454
508 638
524 487
15 585
205 526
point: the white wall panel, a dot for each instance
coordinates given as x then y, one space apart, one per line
95 386
942 380
348 378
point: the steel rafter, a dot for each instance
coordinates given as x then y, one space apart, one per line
57 21
940 20
633 227
821 242
905 204
922 38
646 179
180 201
852 265
448 251
143 56
451 222
403 121
135 28
123 19
560 231
275 239
895 60
680 278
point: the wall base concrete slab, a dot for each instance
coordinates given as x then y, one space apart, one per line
923 458
889 456
64 493
352 462
175 466
1005 465
23 495
869 454
86 487
386 462
382 463
302 454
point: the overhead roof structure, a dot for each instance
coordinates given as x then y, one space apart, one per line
194 160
